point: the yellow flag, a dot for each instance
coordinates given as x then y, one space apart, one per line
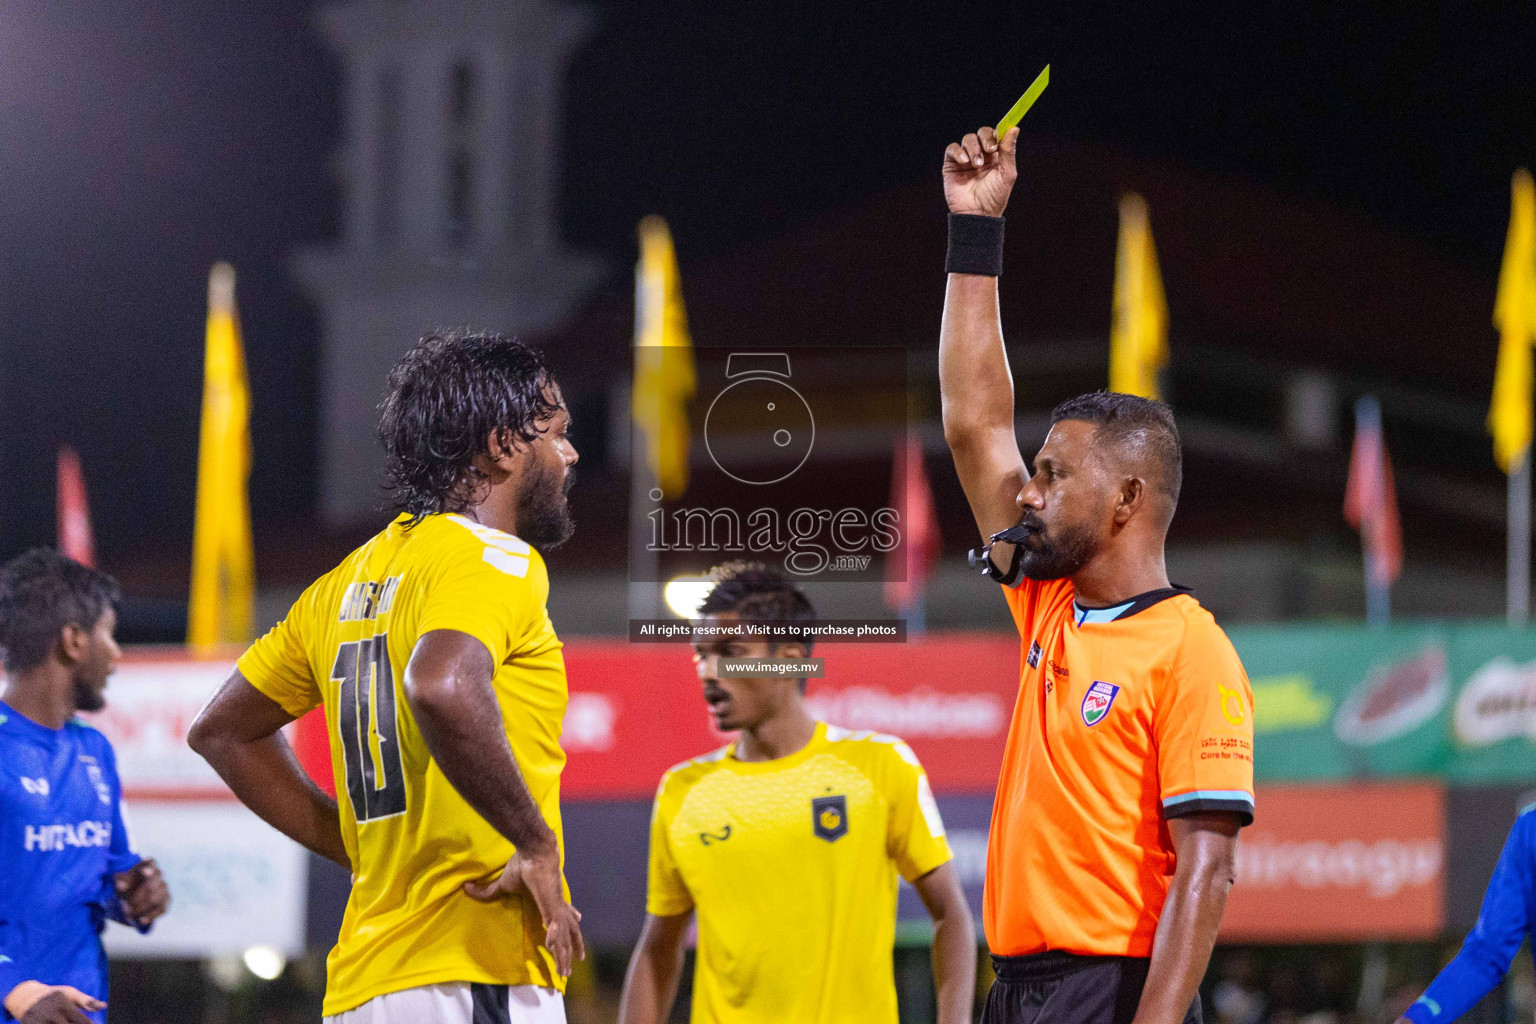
223 604
664 371
1138 340
1514 314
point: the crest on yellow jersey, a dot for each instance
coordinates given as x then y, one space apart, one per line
829 817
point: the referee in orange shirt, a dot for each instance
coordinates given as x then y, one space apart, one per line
1129 765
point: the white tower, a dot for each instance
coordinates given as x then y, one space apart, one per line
449 183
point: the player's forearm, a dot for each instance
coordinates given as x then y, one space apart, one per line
1484 959
1460 985
267 777
954 943
954 967
239 733
1186 934
975 383
650 984
449 686
465 735
649 990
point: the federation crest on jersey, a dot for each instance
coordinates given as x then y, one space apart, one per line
1097 702
829 817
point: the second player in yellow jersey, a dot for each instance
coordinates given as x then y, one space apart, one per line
792 866
788 847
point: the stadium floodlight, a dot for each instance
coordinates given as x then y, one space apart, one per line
265 962
685 594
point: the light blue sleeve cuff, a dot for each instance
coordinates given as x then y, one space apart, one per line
1423 1011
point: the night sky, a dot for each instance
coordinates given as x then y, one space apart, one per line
138 143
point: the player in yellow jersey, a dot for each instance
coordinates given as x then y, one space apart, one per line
787 845
444 690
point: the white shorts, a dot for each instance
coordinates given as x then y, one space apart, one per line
459 1002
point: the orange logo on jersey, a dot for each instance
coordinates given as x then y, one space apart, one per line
1231 704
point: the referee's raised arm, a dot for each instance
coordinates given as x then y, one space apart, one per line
974 379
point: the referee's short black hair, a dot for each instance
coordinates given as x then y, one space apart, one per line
41 592
757 593
1143 428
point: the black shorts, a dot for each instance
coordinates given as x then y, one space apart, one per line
1063 988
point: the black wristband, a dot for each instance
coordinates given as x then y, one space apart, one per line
975 245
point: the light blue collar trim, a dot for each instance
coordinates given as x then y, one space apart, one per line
1086 616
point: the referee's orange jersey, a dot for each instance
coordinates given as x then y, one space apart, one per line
1126 717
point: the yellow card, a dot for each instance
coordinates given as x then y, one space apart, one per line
1019 109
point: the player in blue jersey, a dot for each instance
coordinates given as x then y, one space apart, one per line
1502 925
66 865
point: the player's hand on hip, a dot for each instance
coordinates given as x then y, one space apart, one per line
32 1002
538 874
143 891
979 172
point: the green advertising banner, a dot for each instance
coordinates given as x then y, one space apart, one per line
1346 702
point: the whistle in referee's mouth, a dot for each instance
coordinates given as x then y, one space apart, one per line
981 560
1014 534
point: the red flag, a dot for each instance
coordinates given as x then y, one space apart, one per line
918 549
74 514
1370 498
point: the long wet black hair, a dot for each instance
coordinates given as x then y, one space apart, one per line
444 401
